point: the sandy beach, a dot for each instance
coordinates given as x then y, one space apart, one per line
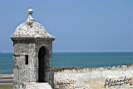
6 79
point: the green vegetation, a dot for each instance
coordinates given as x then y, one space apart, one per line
6 86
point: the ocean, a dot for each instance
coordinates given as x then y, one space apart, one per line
75 59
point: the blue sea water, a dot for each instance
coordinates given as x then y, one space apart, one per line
75 60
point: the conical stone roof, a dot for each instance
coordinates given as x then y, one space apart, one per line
31 29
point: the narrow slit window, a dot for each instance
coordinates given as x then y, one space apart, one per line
26 59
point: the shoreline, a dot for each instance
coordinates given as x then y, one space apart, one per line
6 79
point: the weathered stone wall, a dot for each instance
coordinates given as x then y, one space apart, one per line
120 77
24 72
29 72
47 43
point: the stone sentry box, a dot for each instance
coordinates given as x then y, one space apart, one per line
32 52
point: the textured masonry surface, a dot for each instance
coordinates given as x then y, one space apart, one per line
120 77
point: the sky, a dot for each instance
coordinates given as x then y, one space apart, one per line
78 25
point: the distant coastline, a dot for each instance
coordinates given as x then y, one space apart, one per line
75 60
